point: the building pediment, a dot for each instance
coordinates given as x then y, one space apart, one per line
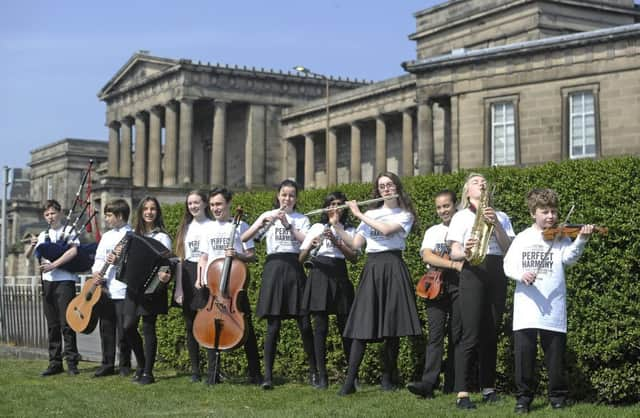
138 70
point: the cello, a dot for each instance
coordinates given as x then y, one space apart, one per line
221 324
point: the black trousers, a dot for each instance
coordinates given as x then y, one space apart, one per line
483 292
442 315
111 314
56 298
554 346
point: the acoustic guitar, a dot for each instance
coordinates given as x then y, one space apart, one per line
80 315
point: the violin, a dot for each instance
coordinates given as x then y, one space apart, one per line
570 230
221 324
430 285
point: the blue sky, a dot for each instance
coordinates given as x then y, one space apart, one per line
56 55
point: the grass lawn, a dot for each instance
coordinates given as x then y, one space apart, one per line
24 393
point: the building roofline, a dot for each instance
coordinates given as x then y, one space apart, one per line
344 97
187 64
461 56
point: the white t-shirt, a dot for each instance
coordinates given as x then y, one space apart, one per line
216 240
541 305
59 274
194 238
462 224
327 248
161 237
435 239
280 240
117 289
377 242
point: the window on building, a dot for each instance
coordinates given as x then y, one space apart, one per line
49 187
503 137
582 125
581 130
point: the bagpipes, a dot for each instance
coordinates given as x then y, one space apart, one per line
86 252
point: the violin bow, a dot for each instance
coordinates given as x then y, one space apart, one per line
558 234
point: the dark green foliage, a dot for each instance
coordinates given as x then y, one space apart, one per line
603 292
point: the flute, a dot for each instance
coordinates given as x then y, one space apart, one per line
364 202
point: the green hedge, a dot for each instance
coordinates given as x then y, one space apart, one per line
603 292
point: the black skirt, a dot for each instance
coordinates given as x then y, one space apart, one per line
155 303
385 302
283 281
193 299
328 288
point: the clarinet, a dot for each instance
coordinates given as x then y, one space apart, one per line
309 262
265 228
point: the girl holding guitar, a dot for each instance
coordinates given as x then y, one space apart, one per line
442 312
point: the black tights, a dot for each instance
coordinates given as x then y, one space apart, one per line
145 353
192 344
320 332
389 359
271 342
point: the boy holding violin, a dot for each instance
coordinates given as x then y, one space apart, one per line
539 304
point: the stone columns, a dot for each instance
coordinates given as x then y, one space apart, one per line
185 168
217 159
425 138
309 167
332 157
114 149
356 157
125 147
254 150
155 147
170 158
381 145
407 143
140 163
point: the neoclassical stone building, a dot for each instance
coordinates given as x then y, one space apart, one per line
493 82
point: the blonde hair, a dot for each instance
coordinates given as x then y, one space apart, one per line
464 196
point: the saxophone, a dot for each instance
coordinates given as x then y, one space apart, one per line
481 231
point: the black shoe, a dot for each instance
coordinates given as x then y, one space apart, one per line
72 369
137 375
347 389
558 404
490 397
52 369
521 408
322 383
255 380
146 379
267 385
104 371
387 384
465 403
195 378
125 371
421 389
